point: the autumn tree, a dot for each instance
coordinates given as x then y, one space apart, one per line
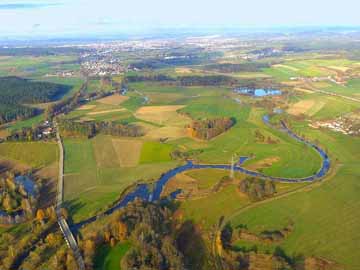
40 215
89 252
123 231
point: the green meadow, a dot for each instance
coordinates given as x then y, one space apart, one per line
94 177
321 213
108 258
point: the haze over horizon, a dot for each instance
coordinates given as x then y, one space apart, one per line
60 18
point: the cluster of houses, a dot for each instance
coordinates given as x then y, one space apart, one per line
345 125
62 74
340 80
46 130
102 67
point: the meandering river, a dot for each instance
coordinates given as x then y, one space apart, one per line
143 192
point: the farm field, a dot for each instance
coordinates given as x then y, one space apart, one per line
96 171
34 154
29 66
319 106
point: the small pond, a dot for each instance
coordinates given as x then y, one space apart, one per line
27 183
278 111
260 92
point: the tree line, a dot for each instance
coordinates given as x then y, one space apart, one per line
242 67
150 77
71 128
35 133
190 80
68 104
156 63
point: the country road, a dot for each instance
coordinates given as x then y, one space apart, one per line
64 227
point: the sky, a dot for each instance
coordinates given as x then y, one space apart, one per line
41 18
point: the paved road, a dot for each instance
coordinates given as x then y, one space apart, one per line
312 88
60 188
64 227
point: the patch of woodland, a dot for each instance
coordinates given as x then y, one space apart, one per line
29 245
257 189
178 154
267 236
261 138
158 241
18 198
209 128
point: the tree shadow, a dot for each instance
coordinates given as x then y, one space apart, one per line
191 244
72 206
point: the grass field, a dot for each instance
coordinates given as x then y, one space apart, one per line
34 154
294 159
26 123
207 211
79 156
153 152
308 107
115 99
308 68
100 110
207 178
128 151
318 218
162 115
96 171
351 89
108 258
30 66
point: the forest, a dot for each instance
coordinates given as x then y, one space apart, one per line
15 92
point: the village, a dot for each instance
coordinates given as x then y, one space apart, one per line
348 125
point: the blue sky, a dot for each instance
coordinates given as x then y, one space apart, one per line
73 17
